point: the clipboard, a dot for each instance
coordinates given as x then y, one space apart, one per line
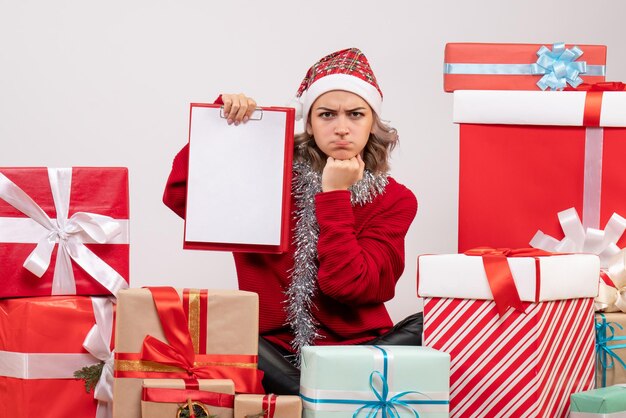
239 180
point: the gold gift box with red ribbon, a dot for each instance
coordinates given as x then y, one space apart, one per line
188 334
165 398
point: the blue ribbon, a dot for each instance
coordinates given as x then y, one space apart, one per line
557 66
388 407
604 352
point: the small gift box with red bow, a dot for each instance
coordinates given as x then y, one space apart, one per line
518 325
63 231
165 333
526 156
179 398
268 406
491 66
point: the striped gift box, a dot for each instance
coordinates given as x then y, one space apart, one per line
520 364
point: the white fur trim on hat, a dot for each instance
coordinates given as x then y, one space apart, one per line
344 82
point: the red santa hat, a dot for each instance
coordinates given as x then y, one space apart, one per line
346 70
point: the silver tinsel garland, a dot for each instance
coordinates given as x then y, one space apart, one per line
306 184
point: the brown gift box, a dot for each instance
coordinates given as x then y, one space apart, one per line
165 409
616 374
230 323
252 405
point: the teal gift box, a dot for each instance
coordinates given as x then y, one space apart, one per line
609 402
369 380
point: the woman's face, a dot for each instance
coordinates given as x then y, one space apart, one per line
341 123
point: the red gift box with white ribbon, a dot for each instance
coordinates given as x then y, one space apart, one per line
40 352
526 156
63 231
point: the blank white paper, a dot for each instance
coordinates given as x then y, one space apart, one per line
235 185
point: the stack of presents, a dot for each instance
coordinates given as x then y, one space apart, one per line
527 320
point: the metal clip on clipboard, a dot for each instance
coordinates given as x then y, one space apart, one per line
256 115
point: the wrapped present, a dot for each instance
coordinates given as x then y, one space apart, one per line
612 291
77 217
610 348
268 406
396 381
40 354
518 325
183 334
173 398
481 66
609 402
527 156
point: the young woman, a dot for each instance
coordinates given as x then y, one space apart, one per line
348 229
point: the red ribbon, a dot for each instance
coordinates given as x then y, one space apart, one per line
593 99
179 352
607 279
499 274
221 400
269 405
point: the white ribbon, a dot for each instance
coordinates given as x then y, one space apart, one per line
68 233
613 298
592 185
593 241
43 365
98 342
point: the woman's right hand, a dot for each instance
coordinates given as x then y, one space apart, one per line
238 108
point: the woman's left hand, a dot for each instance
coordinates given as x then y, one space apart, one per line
341 174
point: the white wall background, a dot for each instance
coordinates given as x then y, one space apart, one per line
86 83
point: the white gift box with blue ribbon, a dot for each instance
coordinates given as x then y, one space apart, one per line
374 381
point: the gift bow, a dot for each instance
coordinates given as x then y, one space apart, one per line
499 274
97 343
612 291
559 67
388 407
67 233
593 241
603 349
179 353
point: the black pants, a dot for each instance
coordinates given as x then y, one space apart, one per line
283 378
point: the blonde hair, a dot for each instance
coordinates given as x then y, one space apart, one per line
381 142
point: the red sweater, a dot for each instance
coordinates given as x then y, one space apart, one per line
360 253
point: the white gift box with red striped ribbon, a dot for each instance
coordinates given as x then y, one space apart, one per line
523 363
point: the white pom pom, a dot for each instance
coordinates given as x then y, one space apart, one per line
297 104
